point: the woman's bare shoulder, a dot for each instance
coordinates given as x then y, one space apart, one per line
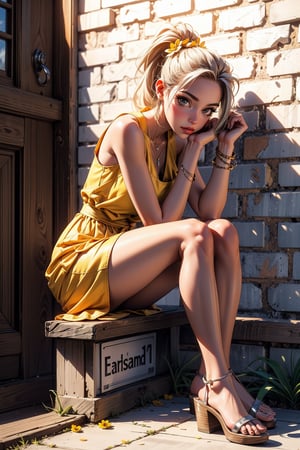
124 125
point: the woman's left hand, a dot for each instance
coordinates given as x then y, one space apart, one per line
236 126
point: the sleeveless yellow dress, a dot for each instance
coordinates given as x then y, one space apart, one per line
78 271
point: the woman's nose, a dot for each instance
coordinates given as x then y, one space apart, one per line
193 118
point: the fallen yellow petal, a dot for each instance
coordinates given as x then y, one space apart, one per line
75 428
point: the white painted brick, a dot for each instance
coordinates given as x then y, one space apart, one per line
89 77
242 17
243 67
252 119
82 174
285 297
167 8
89 5
123 34
122 90
283 116
250 176
117 72
135 49
298 89
296 266
96 94
274 204
201 5
224 44
201 23
112 3
284 62
289 235
282 145
139 12
264 265
151 28
289 174
85 154
251 298
264 91
96 20
285 11
267 37
88 114
231 209
90 133
125 89
251 234
131 86
99 56
112 110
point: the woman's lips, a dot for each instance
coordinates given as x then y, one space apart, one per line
187 130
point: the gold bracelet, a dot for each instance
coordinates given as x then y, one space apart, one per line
188 175
229 166
224 156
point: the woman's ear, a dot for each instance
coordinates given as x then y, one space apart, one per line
159 88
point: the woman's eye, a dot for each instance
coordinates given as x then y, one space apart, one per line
182 101
209 111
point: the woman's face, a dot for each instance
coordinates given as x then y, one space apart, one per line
192 106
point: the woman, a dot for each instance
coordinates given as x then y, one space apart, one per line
145 170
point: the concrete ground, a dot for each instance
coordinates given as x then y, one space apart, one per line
167 425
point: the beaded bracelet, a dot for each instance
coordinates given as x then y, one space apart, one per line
188 175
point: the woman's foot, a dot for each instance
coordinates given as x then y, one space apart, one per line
263 412
222 396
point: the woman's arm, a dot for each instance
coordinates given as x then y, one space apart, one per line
208 202
129 150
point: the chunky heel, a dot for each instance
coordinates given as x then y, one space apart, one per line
206 422
210 420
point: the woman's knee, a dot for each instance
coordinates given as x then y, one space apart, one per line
225 234
198 234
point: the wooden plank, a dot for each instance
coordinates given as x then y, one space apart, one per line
70 368
23 393
119 401
107 329
11 129
267 330
19 102
10 343
33 422
255 330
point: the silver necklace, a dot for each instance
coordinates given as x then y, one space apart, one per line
157 151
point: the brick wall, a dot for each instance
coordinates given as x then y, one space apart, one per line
261 40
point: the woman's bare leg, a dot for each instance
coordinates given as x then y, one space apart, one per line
140 256
228 278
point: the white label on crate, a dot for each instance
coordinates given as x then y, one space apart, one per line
127 360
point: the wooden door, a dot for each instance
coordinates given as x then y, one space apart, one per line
34 150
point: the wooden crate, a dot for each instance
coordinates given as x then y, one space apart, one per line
77 359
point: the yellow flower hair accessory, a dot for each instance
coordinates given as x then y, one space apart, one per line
176 46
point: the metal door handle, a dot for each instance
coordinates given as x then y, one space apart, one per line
42 72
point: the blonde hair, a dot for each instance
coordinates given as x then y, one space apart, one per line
179 69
